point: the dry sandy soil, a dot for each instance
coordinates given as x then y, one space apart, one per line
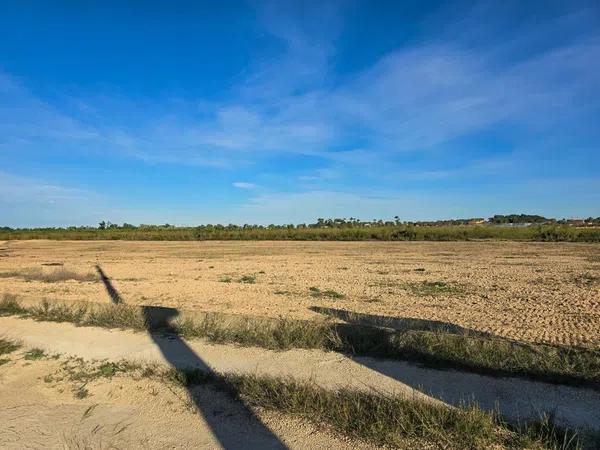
40 409
542 292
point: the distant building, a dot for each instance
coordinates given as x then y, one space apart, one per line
476 221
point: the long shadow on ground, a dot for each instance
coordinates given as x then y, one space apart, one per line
397 323
516 398
245 430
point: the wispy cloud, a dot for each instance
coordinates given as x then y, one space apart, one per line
413 114
244 185
414 99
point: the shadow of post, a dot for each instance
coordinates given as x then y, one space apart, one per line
252 434
114 295
396 323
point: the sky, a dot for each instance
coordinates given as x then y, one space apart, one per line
191 112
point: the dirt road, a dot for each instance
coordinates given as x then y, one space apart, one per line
516 398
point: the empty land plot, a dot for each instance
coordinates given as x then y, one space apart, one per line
537 292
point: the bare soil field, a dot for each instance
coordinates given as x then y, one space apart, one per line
538 292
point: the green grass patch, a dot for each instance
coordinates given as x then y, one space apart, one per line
327 293
248 279
432 288
225 279
367 232
34 354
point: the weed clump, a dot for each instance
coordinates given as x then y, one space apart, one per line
248 279
34 354
433 288
327 293
9 305
7 346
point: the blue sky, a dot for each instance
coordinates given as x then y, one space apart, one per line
276 112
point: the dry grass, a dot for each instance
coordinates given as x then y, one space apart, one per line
54 276
443 348
386 420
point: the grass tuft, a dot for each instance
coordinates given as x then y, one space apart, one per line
7 346
280 334
327 293
248 279
9 305
56 312
426 288
34 354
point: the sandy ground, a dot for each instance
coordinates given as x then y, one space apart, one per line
40 411
541 292
514 398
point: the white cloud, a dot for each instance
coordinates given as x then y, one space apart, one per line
244 185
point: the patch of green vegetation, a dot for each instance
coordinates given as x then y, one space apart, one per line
316 232
34 354
225 279
248 279
4 361
433 288
79 371
108 369
327 293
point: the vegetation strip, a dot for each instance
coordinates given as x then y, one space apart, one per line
440 349
323 231
55 276
381 419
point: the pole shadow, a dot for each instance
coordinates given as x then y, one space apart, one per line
518 399
242 430
114 295
397 323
